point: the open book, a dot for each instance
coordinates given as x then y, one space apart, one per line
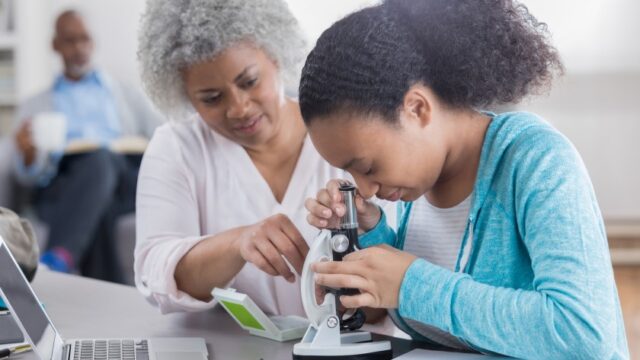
123 145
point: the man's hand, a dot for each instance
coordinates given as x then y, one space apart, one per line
24 141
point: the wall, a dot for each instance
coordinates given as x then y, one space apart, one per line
596 105
593 35
600 114
114 24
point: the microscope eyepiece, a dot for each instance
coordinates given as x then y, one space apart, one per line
347 187
350 218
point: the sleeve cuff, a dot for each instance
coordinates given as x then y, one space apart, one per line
43 169
382 233
30 170
155 278
426 294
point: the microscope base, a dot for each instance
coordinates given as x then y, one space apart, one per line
381 355
351 347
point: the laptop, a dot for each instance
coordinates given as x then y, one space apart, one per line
48 344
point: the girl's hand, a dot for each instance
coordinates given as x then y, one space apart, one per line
328 207
376 271
267 243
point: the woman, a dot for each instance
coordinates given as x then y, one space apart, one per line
222 186
501 245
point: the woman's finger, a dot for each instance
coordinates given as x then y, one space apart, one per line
273 257
261 263
294 236
287 248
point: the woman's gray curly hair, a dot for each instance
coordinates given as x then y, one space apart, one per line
176 34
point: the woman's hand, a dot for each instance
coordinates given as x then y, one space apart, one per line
376 271
328 206
267 243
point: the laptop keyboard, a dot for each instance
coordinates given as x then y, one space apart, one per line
111 350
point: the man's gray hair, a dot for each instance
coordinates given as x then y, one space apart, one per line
175 34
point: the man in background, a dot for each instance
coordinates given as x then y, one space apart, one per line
79 192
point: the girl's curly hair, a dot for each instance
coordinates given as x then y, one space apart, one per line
471 53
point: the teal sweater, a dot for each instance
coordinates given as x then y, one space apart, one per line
537 280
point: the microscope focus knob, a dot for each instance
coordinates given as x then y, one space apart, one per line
333 321
340 243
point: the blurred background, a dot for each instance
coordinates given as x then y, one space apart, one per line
596 104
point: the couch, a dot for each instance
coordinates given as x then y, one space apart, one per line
12 197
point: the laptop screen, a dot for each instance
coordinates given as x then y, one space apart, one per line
26 307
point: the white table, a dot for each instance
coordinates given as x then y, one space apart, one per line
86 308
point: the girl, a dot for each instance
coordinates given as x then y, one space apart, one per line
500 246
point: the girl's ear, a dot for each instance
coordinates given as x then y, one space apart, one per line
417 106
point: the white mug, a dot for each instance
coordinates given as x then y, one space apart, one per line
49 131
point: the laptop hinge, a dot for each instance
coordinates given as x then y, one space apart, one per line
66 352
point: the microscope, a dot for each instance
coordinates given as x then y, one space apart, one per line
329 336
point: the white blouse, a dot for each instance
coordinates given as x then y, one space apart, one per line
435 234
195 183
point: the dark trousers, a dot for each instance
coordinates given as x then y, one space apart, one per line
81 206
